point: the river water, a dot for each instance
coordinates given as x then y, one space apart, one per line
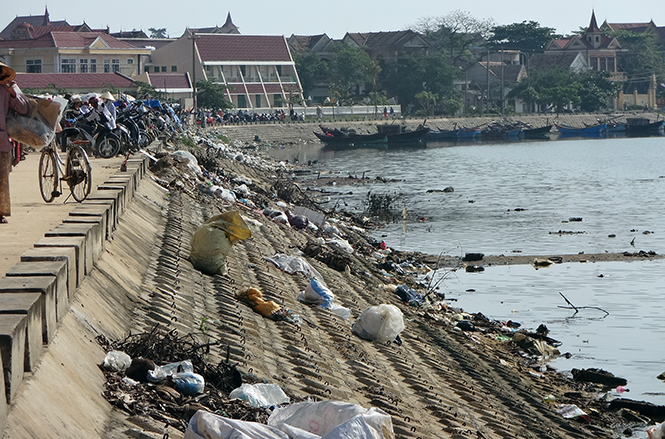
519 198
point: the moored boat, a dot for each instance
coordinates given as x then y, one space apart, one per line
594 130
537 133
399 134
351 139
639 126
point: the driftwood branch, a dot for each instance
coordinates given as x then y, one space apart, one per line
578 308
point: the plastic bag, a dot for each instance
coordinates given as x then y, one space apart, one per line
332 420
117 361
340 244
657 432
294 264
212 242
37 128
409 295
188 383
260 395
379 323
317 293
160 373
206 425
192 163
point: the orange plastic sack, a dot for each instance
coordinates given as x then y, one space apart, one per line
254 298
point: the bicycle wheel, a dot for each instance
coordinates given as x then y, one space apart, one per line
79 173
108 147
48 175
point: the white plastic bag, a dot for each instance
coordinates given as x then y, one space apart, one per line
332 420
260 395
192 164
117 361
294 264
379 323
317 293
160 373
206 425
657 432
340 244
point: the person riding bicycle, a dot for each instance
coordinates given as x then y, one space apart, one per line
10 97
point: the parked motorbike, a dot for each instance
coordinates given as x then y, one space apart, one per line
94 137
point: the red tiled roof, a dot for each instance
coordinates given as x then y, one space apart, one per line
562 43
67 40
230 47
72 80
84 39
169 80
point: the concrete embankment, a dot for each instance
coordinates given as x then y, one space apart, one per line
299 132
438 382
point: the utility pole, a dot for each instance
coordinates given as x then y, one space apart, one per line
503 102
194 37
488 80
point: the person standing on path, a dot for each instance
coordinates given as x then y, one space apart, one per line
10 97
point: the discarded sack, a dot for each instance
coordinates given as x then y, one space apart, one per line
332 420
305 420
212 242
260 395
206 425
317 293
379 323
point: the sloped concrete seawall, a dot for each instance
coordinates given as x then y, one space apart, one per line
439 382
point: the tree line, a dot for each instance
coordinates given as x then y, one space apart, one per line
425 82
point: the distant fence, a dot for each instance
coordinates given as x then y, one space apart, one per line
356 110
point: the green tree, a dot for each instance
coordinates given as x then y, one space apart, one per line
212 95
410 74
157 32
456 34
427 101
350 68
311 70
641 56
596 90
527 36
554 88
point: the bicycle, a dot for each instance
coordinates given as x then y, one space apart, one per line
77 173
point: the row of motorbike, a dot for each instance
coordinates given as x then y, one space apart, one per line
135 129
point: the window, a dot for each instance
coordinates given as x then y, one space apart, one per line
174 68
83 65
156 69
146 69
33 65
107 66
93 66
610 64
130 60
242 101
277 99
257 101
115 64
68 66
242 70
279 70
163 69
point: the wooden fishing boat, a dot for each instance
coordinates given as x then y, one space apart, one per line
399 134
351 139
639 126
537 133
594 130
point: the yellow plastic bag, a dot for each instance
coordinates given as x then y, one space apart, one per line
254 298
212 242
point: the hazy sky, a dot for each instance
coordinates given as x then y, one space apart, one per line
336 17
